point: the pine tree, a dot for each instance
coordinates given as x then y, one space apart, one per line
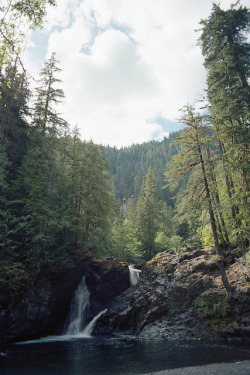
46 119
90 193
37 190
147 214
193 139
226 51
13 109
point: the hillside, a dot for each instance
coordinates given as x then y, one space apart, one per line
130 165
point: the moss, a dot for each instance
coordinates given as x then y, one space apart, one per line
212 308
203 309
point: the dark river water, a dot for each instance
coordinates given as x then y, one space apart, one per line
111 356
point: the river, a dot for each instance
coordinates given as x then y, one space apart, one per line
111 356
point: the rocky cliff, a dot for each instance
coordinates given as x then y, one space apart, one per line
177 297
182 297
42 306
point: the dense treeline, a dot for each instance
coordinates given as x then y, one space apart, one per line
60 196
55 189
130 165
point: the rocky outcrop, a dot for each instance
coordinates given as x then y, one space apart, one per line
105 280
177 297
180 297
43 304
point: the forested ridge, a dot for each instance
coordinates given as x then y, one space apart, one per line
129 166
61 196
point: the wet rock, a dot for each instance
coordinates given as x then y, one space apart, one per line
183 297
42 307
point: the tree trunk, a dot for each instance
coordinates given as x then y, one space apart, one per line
220 219
213 224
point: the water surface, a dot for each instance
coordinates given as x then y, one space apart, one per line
111 356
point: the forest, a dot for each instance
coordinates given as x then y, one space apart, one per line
61 196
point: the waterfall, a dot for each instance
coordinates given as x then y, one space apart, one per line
133 275
75 326
88 329
79 307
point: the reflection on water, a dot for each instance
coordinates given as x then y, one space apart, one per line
111 356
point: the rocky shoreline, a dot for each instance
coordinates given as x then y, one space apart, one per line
235 368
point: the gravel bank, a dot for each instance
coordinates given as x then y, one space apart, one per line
235 368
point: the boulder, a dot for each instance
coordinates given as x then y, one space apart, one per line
181 297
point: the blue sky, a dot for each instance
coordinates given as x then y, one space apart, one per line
128 66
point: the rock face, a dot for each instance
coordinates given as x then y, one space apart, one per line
43 306
180 297
177 297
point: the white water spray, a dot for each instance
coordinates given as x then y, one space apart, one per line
133 275
79 306
76 327
89 328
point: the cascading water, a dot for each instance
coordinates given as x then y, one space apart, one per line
78 309
76 324
89 328
133 275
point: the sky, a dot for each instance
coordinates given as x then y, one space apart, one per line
128 66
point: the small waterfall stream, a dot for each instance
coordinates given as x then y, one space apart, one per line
133 275
76 325
88 329
78 309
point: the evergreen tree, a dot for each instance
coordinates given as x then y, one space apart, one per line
37 191
226 51
194 141
91 195
147 214
13 109
46 119
125 245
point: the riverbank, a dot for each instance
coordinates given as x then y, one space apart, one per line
235 368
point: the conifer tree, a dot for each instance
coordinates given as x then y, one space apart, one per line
193 141
90 194
226 51
46 118
39 176
147 214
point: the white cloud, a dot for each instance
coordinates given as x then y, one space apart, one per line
127 62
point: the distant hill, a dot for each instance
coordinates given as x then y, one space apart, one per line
129 166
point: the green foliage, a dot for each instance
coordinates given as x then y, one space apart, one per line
4 163
226 52
247 258
203 309
16 18
176 244
46 119
89 191
147 214
164 242
13 278
211 309
129 166
206 236
125 245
